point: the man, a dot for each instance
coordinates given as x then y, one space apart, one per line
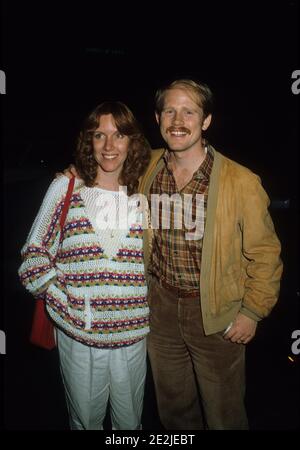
207 290
206 295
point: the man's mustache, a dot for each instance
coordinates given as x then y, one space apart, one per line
181 129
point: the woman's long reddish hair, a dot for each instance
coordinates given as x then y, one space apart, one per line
139 150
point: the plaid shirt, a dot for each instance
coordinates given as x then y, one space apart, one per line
176 259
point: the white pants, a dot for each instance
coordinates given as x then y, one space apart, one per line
91 376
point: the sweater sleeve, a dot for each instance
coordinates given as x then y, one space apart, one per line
37 270
261 248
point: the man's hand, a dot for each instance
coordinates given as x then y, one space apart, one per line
242 331
69 172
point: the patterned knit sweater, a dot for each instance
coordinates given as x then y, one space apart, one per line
93 282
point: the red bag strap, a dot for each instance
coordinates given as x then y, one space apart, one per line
66 204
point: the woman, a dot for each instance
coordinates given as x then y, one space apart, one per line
93 281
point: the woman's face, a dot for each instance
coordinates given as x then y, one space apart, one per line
110 146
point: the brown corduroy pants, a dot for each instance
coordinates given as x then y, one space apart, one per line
199 380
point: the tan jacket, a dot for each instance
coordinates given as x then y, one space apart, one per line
241 266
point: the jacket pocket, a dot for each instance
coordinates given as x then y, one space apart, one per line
231 291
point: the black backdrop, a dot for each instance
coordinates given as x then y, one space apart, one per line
59 63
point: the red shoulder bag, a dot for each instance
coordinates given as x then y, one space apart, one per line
42 329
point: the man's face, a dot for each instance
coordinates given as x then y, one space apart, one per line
181 121
110 146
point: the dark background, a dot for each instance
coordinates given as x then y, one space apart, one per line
60 62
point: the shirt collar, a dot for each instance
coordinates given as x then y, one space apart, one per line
203 171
